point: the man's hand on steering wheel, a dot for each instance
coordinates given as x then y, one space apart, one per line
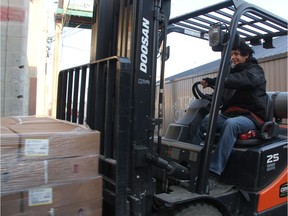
208 82
204 83
198 93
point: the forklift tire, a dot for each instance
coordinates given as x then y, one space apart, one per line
199 209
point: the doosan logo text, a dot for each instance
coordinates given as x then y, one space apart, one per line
144 45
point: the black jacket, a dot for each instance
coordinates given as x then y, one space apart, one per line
245 87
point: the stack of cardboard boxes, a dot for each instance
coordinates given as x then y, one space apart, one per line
49 167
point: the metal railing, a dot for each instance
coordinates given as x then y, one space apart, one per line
99 94
82 91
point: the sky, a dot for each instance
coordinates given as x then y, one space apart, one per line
185 52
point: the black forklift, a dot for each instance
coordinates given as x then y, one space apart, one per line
144 173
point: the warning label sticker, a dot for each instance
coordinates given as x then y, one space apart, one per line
40 196
36 147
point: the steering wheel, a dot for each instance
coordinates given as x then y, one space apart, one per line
198 93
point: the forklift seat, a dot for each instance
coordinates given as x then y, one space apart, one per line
268 130
183 130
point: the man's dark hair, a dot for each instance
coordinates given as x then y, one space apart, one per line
244 49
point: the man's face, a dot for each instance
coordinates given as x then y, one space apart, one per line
237 58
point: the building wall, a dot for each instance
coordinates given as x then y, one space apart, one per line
37 58
178 93
276 73
14 67
23 55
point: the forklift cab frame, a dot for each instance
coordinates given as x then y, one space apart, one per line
223 25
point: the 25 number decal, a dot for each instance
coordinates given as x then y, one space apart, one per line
272 158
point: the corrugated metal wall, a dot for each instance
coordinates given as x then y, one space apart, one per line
276 73
178 93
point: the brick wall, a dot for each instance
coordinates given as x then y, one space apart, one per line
14 68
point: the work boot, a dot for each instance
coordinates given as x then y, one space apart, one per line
213 180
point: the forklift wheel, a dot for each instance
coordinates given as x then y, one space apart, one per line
199 209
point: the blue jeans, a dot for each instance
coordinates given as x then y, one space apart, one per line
229 129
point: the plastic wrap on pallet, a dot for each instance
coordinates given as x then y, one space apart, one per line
89 208
44 138
37 151
60 199
27 174
38 140
12 120
9 145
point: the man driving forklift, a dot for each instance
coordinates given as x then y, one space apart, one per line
243 107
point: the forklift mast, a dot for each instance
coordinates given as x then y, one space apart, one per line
115 92
120 101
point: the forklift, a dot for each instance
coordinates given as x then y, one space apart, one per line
143 172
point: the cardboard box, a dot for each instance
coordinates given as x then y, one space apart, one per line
7 121
72 169
88 208
37 199
56 145
40 200
12 120
46 138
9 146
10 204
23 175
58 157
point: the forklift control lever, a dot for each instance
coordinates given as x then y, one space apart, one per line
173 168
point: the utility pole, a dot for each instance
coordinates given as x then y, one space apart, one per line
58 35
59 18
